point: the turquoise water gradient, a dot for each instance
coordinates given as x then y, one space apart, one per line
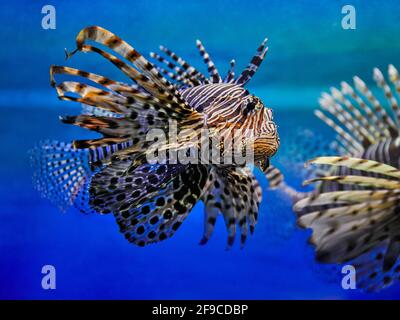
309 52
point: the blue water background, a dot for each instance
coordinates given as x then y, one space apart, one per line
309 52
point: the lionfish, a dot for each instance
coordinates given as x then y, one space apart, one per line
111 174
354 211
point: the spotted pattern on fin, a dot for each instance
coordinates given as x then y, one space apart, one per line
149 202
60 171
234 192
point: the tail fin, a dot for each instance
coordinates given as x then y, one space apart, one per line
60 172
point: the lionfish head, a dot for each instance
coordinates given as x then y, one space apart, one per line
265 139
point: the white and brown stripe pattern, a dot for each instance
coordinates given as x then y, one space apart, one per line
111 174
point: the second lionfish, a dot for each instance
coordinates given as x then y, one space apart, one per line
354 211
111 175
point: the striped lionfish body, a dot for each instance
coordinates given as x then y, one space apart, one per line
354 209
111 174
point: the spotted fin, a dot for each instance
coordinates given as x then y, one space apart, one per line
93 111
149 202
234 192
60 172
371 272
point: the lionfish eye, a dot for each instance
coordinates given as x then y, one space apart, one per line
250 107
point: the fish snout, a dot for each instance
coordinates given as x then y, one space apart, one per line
271 145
